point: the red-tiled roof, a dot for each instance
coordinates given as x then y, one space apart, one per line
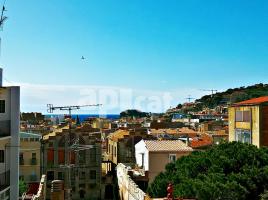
166 146
254 101
203 141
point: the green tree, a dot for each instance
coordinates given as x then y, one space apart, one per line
227 171
22 187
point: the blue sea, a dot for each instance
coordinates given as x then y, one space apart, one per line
82 117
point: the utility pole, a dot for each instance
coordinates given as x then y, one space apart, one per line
70 145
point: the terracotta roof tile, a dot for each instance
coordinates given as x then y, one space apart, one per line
166 145
203 141
254 101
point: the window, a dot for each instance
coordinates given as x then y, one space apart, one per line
242 116
243 135
60 175
61 156
92 174
82 157
115 151
82 175
172 157
50 144
21 159
2 106
50 156
50 175
33 155
2 156
246 116
93 155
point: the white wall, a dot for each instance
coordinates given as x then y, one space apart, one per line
4 145
15 141
140 148
127 187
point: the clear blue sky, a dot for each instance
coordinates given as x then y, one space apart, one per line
140 44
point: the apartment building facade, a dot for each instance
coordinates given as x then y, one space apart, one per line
29 157
9 141
248 121
80 167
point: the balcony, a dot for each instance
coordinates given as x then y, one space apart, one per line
4 180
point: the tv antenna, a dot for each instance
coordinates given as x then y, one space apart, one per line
212 91
189 98
51 108
2 20
70 146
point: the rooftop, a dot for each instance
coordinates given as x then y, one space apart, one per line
255 101
203 141
118 135
166 145
29 135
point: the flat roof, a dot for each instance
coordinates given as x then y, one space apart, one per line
29 135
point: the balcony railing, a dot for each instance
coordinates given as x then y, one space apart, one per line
4 180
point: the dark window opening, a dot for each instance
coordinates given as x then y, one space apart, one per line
2 106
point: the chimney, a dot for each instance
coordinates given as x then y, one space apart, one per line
1 77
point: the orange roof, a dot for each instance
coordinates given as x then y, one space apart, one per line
203 141
254 101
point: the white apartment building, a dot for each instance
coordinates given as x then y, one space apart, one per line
9 141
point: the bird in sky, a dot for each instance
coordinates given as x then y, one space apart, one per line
83 58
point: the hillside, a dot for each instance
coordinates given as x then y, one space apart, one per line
133 113
232 96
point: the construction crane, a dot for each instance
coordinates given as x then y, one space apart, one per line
70 145
212 91
189 98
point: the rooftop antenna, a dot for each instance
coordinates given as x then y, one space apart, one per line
212 92
189 98
2 20
51 108
70 145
